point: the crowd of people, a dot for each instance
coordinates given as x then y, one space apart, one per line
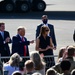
36 65
44 46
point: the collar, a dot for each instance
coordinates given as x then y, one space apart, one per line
1 32
20 36
45 24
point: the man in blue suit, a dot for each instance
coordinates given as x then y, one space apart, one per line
20 43
4 41
52 33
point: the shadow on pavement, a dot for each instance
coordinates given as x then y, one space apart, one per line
50 4
55 15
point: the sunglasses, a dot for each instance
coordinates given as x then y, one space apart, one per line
46 30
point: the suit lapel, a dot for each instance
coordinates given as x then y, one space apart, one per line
50 30
19 38
4 35
48 26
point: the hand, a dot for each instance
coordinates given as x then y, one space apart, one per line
7 40
42 55
32 41
54 48
48 47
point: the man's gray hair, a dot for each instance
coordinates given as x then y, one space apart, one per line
20 27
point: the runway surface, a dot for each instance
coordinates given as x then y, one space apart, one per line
63 21
60 5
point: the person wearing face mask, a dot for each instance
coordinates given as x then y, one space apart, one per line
51 27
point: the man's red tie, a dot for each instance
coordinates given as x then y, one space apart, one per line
24 47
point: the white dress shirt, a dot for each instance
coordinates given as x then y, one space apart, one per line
2 33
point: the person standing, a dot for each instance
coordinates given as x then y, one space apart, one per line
45 46
39 64
20 43
4 41
51 27
29 67
65 66
12 64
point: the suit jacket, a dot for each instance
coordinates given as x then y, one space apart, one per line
4 47
18 45
52 33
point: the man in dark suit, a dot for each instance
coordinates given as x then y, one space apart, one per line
4 41
20 43
52 33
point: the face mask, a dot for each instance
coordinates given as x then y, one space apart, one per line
45 21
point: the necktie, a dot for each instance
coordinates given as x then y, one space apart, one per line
24 47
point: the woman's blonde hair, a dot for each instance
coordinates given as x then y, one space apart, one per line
38 62
43 29
15 59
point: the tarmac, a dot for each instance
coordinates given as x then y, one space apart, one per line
60 5
63 21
